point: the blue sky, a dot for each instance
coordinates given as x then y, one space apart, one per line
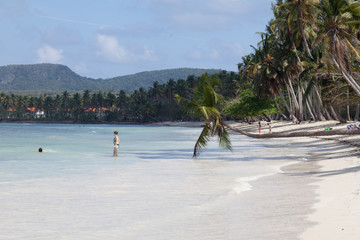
109 38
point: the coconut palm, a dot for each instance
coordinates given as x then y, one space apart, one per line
300 16
338 36
204 105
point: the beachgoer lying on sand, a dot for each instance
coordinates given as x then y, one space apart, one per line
350 126
328 128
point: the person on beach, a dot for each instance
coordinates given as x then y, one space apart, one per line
259 127
270 128
116 144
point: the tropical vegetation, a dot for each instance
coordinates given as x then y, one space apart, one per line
154 104
306 66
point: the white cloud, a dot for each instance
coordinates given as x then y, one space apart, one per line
112 51
49 54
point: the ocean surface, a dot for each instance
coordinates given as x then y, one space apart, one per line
76 190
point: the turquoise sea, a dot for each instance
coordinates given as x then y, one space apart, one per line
76 190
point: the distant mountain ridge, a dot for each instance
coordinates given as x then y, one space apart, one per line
56 77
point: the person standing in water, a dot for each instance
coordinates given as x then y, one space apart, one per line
116 144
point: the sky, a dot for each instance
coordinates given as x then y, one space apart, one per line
109 38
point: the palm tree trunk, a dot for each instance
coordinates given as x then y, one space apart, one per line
293 98
357 112
301 105
266 117
333 113
310 108
320 104
348 77
295 134
347 105
279 109
328 115
292 116
337 114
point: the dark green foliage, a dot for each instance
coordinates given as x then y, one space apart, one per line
249 105
146 79
142 105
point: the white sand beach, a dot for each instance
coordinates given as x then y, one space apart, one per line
337 206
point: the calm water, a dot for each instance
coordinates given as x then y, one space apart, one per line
153 190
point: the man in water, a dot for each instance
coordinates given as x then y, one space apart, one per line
116 144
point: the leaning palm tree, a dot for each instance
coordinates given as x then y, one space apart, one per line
204 104
338 36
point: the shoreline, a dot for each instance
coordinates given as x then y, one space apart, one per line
335 210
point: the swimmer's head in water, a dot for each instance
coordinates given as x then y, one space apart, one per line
40 150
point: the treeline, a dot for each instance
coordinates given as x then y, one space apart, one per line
307 62
143 105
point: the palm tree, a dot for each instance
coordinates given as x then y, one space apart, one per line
76 105
170 89
299 15
155 91
110 100
337 35
48 107
65 104
204 104
86 99
122 101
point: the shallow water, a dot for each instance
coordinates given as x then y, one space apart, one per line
75 189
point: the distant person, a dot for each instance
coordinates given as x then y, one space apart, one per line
259 127
40 150
116 144
270 128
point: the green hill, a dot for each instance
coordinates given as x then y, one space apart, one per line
146 79
55 77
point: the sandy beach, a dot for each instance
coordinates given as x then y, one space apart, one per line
335 213
337 205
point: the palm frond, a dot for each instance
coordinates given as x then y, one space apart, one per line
353 49
224 138
203 139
